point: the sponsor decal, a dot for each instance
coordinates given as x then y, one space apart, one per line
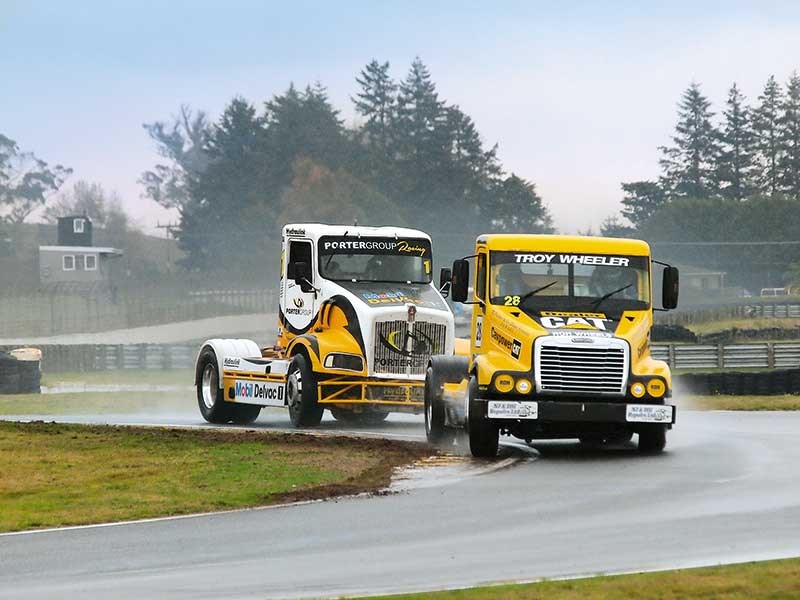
395 297
412 349
643 347
366 245
298 302
500 409
580 333
410 248
572 259
254 390
305 312
648 413
514 347
231 363
478 331
576 322
295 231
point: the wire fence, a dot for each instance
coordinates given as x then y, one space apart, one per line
58 313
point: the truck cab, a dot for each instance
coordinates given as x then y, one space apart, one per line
358 320
559 345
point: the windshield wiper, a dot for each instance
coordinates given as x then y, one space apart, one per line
536 291
330 258
602 299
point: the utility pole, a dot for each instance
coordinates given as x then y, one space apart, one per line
170 233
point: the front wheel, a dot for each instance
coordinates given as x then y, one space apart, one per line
209 395
435 430
484 436
301 392
653 439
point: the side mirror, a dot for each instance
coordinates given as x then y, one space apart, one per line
669 288
460 280
301 273
445 277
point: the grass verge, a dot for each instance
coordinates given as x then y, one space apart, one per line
722 402
55 474
96 402
121 377
743 324
773 580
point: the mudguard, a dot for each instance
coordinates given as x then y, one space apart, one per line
223 348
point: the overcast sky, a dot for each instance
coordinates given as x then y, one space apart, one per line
577 98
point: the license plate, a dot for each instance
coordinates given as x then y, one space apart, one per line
502 409
648 413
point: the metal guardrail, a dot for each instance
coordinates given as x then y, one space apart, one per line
764 355
104 357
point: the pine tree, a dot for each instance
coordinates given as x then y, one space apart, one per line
377 102
222 196
767 129
734 161
519 208
688 166
642 199
420 118
789 162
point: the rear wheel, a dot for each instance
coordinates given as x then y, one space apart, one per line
484 436
209 395
301 392
243 414
653 439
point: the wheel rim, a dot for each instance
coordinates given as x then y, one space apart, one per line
295 385
428 415
210 385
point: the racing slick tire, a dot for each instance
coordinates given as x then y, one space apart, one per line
653 439
484 436
436 431
209 395
301 393
243 414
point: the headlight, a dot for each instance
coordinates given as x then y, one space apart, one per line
346 362
504 383
656 388
523 386
637 389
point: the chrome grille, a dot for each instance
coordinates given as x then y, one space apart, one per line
391 339
578 369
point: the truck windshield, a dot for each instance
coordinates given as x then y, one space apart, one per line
537 281
351 258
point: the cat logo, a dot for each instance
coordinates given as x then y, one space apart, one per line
298 302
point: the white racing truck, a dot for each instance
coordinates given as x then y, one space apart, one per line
358 321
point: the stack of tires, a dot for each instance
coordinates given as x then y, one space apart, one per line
20 371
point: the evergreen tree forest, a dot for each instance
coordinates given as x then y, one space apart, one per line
411 159
728 193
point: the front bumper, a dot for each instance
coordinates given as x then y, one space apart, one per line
513 411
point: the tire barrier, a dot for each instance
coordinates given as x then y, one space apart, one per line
741 383
19 376
739 335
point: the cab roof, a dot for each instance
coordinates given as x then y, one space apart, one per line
316 230
563 243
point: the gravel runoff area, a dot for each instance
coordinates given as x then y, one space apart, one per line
260 327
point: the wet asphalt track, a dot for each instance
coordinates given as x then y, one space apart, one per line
727 490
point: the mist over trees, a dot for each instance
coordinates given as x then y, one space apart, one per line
412 159
26 181
728 193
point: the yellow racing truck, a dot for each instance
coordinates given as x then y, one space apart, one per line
358 322
560 345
